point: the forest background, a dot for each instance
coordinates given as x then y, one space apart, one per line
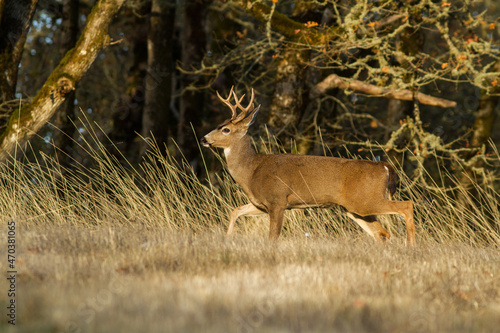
315 66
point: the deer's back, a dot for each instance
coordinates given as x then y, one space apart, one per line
316 181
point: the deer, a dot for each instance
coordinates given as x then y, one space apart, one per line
275 183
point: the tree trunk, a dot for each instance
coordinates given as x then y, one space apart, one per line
29 119
410 42
127 112
192 102
485 114
287 105
481 131
156 117
397 110
15 17
2 6
69 34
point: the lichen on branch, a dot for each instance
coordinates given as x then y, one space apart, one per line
29 118
295 31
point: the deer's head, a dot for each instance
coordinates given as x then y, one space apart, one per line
234 128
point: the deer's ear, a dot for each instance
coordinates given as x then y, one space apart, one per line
253 114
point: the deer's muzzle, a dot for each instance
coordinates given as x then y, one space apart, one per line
204 142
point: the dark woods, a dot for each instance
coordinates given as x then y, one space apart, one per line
411 81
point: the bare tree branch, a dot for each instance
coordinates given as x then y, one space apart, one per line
334 81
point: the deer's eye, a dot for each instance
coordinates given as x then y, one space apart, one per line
226 130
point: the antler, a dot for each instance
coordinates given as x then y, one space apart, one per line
235 117
226 101
245 111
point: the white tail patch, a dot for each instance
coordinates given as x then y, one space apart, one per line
387 190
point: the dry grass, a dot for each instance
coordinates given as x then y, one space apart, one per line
116 278
110 250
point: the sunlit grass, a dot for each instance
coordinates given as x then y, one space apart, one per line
108 248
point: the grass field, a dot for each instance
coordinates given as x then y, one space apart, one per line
105 249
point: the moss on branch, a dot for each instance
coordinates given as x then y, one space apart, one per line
27 120
295 31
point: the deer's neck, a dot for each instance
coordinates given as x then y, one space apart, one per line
241 160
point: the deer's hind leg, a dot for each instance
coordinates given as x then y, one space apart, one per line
371 226
403 208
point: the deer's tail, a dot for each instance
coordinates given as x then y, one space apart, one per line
392 180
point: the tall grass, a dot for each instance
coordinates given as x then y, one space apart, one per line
161 193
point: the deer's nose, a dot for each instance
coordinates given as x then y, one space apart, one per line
204 142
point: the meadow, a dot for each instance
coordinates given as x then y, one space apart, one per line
116 249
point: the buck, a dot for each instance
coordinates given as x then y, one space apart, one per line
277 182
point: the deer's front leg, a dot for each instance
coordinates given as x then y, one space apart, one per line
248 209
276 222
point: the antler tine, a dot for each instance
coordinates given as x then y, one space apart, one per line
250 105
226 101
